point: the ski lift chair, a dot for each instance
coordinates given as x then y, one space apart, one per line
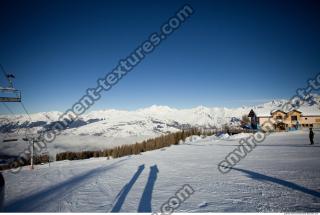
15 95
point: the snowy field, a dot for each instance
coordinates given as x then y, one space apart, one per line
281 174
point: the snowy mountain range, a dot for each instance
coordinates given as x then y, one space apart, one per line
151 121
103 129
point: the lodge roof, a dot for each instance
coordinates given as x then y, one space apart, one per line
305 111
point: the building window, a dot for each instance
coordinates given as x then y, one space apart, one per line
278 117
306 118
294 118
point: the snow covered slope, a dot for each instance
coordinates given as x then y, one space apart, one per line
282 174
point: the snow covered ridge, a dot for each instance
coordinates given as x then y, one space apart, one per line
151 121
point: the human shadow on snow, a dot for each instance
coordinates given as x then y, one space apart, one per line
145 201
121 197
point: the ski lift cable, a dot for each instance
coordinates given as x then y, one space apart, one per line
8 76
7 107
3 71
25 110
9 89
9 110
7 134
17 99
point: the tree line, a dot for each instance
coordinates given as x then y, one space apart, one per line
137 148
116 152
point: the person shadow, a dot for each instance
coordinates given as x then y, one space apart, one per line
261 177
121 197
145 201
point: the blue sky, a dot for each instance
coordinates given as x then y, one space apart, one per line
229 53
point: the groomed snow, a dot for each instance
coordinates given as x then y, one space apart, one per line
281 174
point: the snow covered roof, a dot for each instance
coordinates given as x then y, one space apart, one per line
278 110
304 110
262 112
310 111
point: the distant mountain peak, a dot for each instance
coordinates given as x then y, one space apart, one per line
153 120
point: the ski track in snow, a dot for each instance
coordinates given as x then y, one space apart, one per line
282 174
